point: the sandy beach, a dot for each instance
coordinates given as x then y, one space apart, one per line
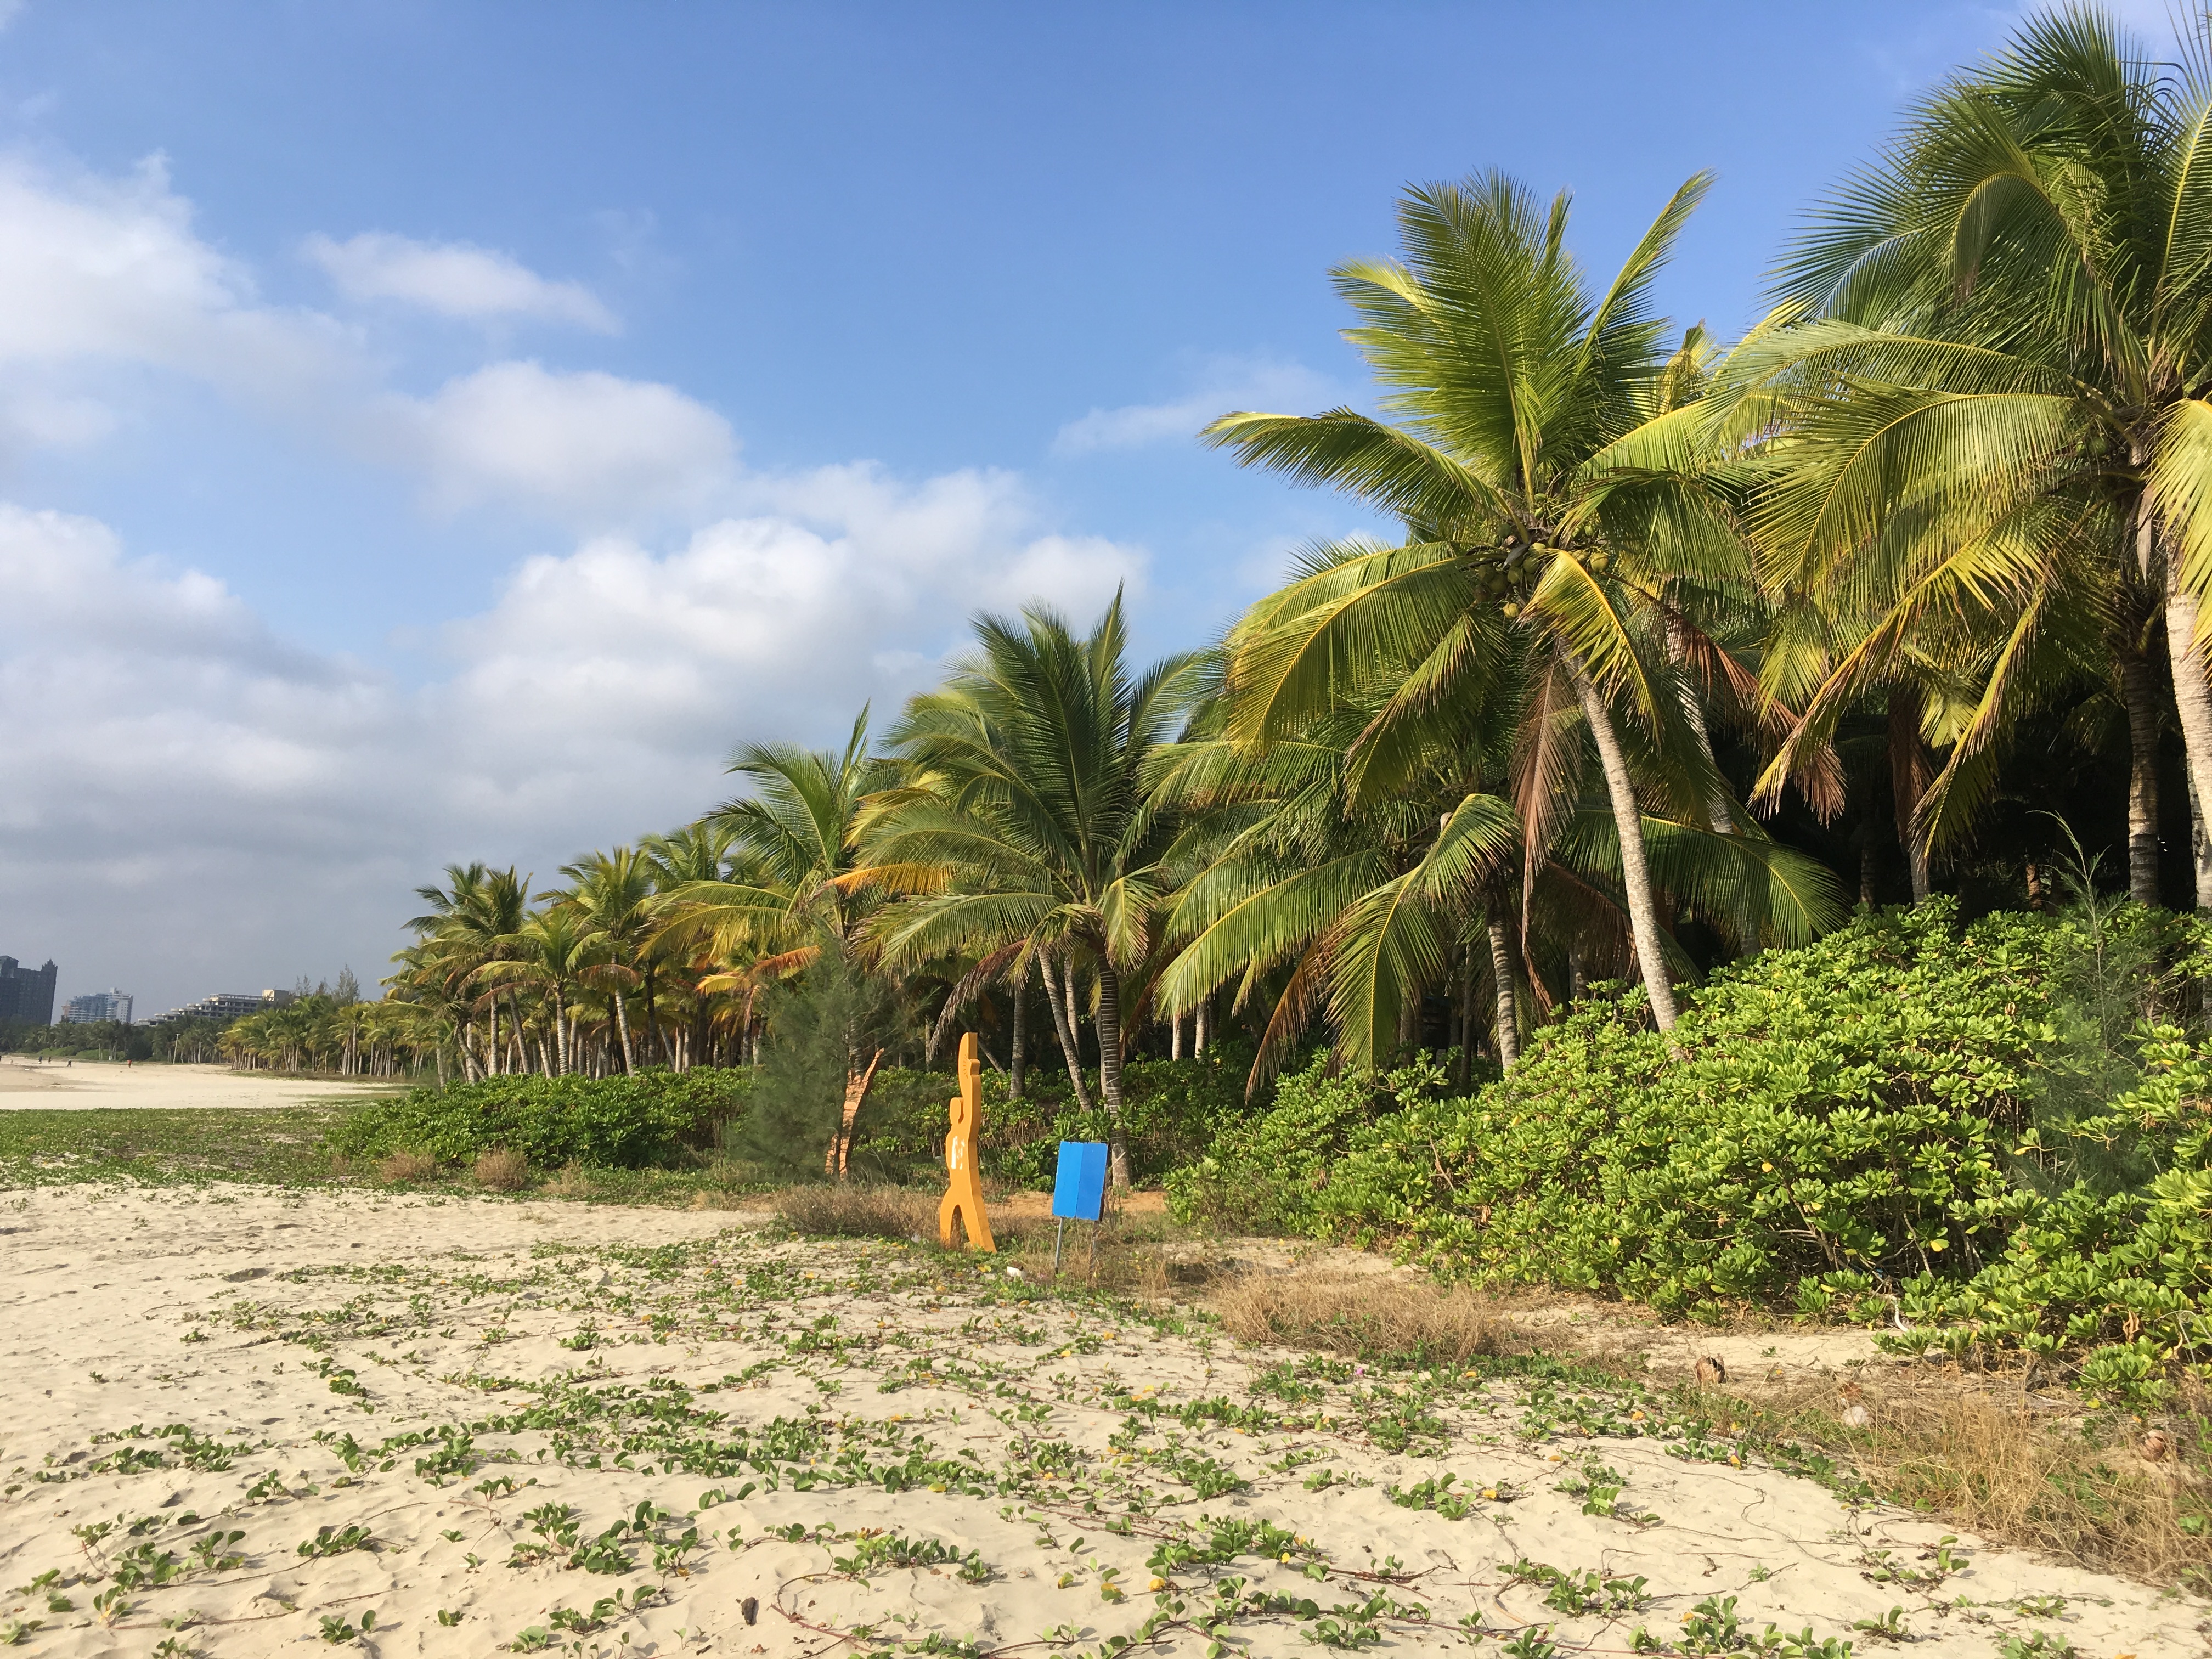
89 1085
245 1419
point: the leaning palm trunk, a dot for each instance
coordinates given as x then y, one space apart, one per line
1063 1020
856 1091
2192 699
1509 1017
1635 869
622 1024
1109 1064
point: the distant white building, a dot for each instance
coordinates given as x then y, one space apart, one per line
93 1007
226 1004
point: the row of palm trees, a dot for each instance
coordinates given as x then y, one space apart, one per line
338 1035
1959 479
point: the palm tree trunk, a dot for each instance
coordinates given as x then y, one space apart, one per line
856 1091
1063 1020
1635 868
622 1023
1110 1062
2139 692
1017 1057
1509 1015
1464 1073
1909 777
2192 701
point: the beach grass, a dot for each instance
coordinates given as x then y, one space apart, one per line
287 1146
158 1146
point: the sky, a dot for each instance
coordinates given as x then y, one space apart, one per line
442 431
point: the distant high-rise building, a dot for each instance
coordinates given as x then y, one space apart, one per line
93 1007
226 1004
26 994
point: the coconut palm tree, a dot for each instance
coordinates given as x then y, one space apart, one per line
787 846
472 920
1367 895
611 895
1990 357
1023 831
554 951
1548 467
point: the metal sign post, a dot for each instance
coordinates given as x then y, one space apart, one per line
1079 1192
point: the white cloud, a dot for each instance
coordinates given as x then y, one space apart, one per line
1226 384
192 802
187 792
454 279
105 271
586 447
102 279
772 621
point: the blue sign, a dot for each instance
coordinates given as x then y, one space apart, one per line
1079 1191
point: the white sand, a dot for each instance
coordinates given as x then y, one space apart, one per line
89 1084
297 1336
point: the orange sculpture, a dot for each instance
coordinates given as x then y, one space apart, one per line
963 1194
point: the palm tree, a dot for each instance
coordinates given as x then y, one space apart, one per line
1545 464
1024 832
1990 357
611 893
790 844
1367 895
554 952
698 851
471 921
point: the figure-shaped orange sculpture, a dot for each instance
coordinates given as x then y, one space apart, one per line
964 1195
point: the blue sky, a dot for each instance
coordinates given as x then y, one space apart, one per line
440 431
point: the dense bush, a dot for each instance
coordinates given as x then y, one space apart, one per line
2129 1269
654 1118
1173 1111
1882 1125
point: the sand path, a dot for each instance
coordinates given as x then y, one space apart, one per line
268 1416
89 1085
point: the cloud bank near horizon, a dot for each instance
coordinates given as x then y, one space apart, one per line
196 802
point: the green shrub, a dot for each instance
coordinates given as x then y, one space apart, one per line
651 1119
1173 1110
1887 1126
2127 1273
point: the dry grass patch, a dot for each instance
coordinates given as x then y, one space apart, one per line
1371 1318
500 1171
2081 1490
858 1210
401 1168
573 1181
